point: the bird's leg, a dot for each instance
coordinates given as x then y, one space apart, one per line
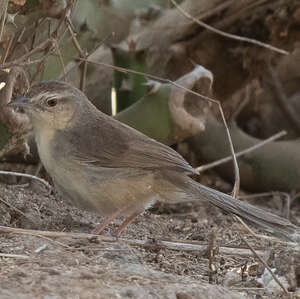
107 220
126 222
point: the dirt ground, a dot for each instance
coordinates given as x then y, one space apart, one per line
43 267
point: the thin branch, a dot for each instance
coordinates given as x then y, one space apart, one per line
18 256
41 65
7 49
247 289
25 175
3 17
170 244
236 187
13 121
41 47
210 252
263 194
248 229
83 76
27 63
82 54
54 241
60 57
79 63
251 232
241 153
64 76
266 265
65 14
17 41
14 208
33 39
228 35
130 71
73 35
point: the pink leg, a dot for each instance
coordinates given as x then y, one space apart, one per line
107 220
126 222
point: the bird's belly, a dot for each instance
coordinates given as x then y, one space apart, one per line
100 189
104 190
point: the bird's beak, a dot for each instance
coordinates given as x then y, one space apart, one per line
20 102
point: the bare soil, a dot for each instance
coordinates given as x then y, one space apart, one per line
42 267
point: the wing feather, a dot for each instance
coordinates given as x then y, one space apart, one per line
110 143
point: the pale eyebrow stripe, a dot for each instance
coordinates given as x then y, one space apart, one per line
51 95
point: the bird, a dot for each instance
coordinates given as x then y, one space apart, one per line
100 164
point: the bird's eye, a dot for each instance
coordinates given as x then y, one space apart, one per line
51 102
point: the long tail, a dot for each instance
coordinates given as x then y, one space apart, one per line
267 221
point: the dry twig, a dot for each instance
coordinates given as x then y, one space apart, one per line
212 271
228 35
25 175
241 153
169 244
41 47
15 122
18 256
82 54
6 50
14 208
60 57
266 265
3 17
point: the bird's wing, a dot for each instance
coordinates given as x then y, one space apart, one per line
148 153
117 145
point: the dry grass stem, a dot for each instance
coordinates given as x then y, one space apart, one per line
60 57
228 35
241 153
82 54
266 265
14 208
41 47
168 244
18 256
4 6
25 175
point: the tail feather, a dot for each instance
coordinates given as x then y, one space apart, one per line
174 184
268 221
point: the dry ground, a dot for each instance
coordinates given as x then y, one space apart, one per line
41 267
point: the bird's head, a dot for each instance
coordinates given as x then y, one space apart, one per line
51 104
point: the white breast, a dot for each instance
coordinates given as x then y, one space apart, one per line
44 142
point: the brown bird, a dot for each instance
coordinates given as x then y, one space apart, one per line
105 166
